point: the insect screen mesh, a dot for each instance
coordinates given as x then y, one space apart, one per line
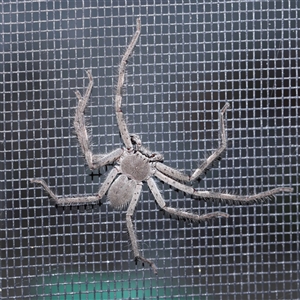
190 60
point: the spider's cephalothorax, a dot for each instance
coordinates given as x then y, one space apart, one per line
134 165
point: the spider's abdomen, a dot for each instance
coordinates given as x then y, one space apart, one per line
121 192
136 167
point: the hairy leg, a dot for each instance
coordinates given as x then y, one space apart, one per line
228 198
180 213
118 100
69 201
107 158
93 161
131 231
64 201
176 174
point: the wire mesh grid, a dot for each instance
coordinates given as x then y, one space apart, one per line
190 60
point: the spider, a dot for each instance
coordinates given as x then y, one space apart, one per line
134 164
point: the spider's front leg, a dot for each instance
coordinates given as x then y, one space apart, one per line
121 78
176 174
131 231
93 161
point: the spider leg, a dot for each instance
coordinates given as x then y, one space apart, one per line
131 231
106 159
228 198
217 153
118 100
171 172
176 174
107 182
67 201
180 213
79 123
93 161
63 201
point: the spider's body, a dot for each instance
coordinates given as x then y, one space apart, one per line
134 168
134 164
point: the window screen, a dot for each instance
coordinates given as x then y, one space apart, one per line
192 58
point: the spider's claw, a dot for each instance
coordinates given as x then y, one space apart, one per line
33 180
147 261
89 74
223 110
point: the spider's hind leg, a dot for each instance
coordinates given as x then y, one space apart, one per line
228 198
131 231
180 213
63 201
83 200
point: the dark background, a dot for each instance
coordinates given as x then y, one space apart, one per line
190 60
